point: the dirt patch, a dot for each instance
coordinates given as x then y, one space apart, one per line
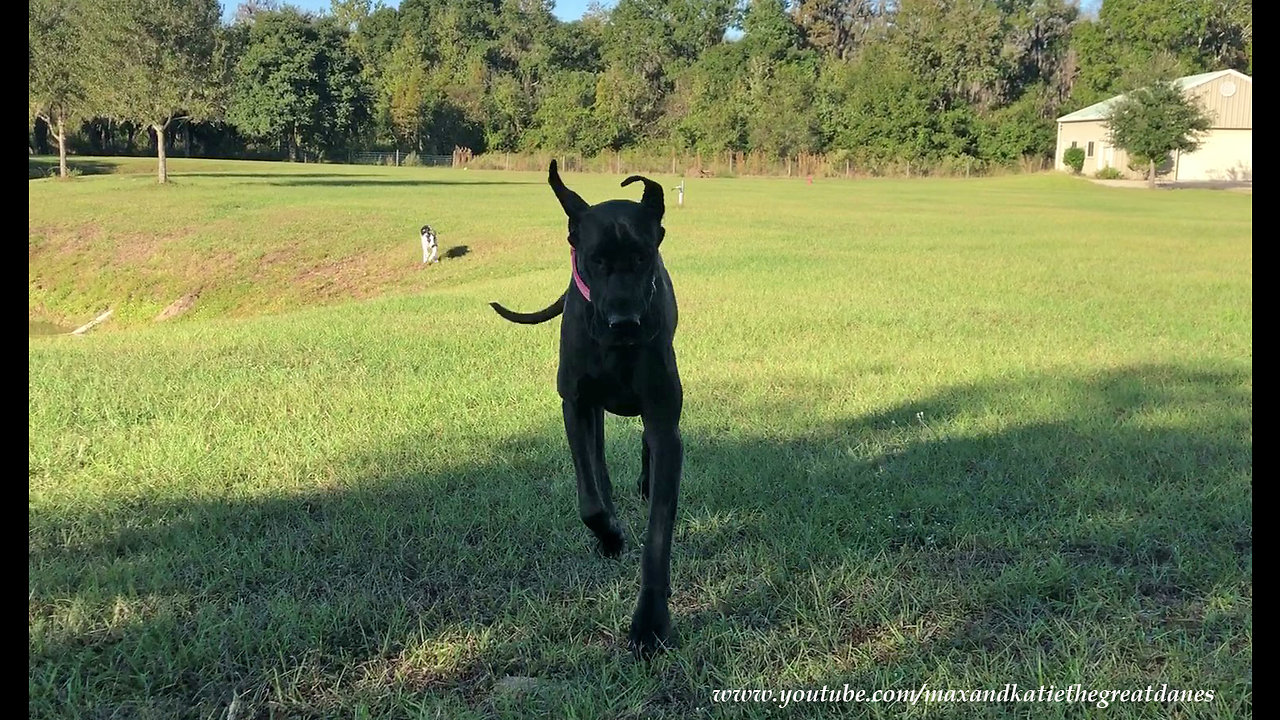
58 240
354 276
179 306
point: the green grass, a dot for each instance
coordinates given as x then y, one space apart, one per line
963 433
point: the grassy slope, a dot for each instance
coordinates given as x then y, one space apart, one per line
963 433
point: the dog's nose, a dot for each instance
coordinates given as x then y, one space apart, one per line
624 323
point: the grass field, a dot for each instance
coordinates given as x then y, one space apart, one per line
963 433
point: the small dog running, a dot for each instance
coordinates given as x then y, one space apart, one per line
430 250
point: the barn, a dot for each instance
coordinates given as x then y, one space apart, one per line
1226 151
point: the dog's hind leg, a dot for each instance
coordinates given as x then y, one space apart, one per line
584 426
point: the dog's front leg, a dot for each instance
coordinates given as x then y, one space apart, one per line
584 427
651 623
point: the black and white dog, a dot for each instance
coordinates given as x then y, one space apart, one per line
430 250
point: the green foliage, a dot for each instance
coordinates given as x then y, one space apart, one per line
1018 130
710 101
1153 122
769 31
885 84
1135 42
780 107
57 72
883 113
1107 173
57 82
162 60
159 55
1073 157
564 121
298 83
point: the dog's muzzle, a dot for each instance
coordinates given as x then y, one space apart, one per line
624 329
628 327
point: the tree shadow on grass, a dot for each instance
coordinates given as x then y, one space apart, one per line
1093 529
288 181
43 167
339 179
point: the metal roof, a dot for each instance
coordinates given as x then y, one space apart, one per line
1100 111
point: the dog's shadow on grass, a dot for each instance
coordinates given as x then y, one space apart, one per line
457 251
885 547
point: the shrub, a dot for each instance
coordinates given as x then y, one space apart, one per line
1108 173
1074 159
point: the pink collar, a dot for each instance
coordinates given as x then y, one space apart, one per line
577 279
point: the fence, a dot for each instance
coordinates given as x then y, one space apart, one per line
400 159
730 164
726 164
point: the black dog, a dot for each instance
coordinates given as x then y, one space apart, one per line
616 355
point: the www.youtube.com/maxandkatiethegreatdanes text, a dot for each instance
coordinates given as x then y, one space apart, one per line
1011 693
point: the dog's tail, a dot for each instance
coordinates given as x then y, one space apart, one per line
532 318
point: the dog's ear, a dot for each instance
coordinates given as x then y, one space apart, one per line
652 200
572 203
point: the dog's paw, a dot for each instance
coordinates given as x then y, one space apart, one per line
610 545
650 626
608 534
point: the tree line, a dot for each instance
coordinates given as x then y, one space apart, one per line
871 82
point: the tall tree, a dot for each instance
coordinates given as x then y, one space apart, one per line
1195 35
955 43
299 84
836 27
768 31
57 77
1153 122
782 121
1036 37
638 51
407 96
160 58
714 117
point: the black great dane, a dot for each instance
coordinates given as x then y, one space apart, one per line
616 355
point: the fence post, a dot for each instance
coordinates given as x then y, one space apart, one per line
397 157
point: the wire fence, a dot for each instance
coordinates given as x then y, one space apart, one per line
399 159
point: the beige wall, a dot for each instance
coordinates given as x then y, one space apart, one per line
1083 133
1234 112
1223 155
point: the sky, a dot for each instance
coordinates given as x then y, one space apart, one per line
565 9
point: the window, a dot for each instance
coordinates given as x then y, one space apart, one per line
1089 152
1073 143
